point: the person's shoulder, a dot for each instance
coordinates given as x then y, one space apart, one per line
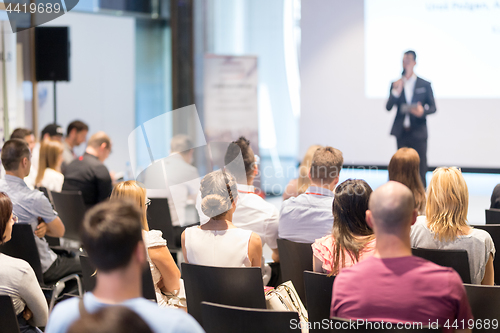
256 202
15 263
162 318
63 315
423 82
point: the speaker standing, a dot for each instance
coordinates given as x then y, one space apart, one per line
414 99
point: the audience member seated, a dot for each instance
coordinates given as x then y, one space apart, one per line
76 134
299 185
218 242
495 197
49 167
88 174
352 240
404 168
111 319
112 237
26 135
392 285
31 206
445 225
18 280
165 272
179 168
305 218
51 132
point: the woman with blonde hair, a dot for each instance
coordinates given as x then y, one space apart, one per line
49 166
299 185
445 225
404 168
218 242
166 274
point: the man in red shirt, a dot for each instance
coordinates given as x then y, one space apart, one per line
394 286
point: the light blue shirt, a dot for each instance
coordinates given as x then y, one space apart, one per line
307 217
28 205
160 320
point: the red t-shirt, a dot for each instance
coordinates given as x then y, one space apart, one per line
405 289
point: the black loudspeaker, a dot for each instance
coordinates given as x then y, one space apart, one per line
52 53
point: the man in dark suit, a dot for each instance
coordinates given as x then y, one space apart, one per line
415 100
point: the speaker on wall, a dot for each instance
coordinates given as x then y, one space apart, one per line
52 53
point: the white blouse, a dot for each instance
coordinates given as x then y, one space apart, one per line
52 180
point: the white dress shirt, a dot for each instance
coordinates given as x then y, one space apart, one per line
409 88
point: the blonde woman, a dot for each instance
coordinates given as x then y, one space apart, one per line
166 274
404 168
299 185
218 242
445 225
49 166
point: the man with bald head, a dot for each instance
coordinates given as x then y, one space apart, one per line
394 286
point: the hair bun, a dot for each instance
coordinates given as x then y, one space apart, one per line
215 204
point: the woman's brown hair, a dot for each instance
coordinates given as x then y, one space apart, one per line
404 168
5 213
350 231
50 153
133 191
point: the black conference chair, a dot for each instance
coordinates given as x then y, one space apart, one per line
237 286
22 245
8 318
494 231
295 258
318 288
89 279
342 325
159 218
71 209
485 305
492 216
219 318
456 259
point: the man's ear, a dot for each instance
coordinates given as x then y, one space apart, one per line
309 174
414 216
369 219
140 253
255 169
103 145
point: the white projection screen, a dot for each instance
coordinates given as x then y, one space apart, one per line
352 50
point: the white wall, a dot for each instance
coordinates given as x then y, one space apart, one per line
335 110
102 87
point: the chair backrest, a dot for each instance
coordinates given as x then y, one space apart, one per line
46 193
318 288
71 209
89 278
88 271
237 286
159 219
456 259
8 318
22 245
219 318
494 231
492 216
341 325
485 304
295 258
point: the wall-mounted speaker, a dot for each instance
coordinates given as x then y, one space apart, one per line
52 52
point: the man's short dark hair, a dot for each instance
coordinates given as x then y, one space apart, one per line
326 164
241 145
412 53
13 152
21 133
110 234
79 125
